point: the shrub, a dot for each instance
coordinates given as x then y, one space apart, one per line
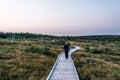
87 48
7 42
35 49
47 52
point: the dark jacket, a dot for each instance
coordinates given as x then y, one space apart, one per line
66 47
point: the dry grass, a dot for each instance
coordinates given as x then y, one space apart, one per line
17 64
95 61
98 65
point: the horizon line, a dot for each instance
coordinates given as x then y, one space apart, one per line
64 34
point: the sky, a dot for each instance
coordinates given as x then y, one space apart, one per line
61 17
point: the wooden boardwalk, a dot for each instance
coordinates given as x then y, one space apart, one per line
63 68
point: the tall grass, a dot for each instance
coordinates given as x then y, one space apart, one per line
98 60
26 60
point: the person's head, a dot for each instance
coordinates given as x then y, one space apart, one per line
67 43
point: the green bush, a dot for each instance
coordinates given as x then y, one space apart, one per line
47 52
87 48
43 50
7 42
33 49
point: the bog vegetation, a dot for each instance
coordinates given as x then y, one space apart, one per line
98 60
25 56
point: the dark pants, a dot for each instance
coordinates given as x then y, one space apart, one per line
66 53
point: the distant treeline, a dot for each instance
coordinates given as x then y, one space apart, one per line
31 36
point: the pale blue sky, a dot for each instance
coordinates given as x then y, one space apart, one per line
60 17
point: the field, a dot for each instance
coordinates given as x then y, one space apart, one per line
31 57
27 60
98 60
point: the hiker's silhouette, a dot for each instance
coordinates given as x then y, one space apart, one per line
66 49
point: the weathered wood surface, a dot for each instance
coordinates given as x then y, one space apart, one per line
63 68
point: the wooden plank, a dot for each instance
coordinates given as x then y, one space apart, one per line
64 69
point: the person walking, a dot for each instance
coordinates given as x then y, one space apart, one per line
66 49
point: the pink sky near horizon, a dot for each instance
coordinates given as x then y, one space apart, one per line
61 17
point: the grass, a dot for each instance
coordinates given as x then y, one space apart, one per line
97 61
33 60
27 60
